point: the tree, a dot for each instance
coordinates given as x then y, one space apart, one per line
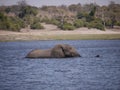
75 7
8 9
27 10
22 3
92 12
113 13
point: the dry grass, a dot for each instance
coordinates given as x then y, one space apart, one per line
51 32
59 37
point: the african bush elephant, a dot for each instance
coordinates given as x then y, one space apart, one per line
58 51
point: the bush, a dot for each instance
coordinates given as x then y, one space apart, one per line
17 20
15 23
11 23
36 20
108 23
86 24
78 23
14 27
67 26
96 24
117 23
54 21
100 26
81 15
27 11
89 18
36 26
50 21
28 20
45 20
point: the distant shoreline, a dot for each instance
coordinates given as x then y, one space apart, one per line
78 34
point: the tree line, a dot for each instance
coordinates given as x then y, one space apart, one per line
65 17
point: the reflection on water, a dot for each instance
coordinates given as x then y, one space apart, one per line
82 73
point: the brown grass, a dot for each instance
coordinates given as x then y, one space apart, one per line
51 32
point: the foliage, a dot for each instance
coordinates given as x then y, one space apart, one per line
78 23
54 21
22 15
75 8
92 12
96 24
87 16
36 23
50 21
10 23
117 23
8 9
45 19
80 15
108 23
44 8
67 26
36 26
27 10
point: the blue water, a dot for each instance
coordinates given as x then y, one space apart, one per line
82 73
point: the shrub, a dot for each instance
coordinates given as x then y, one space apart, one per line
96 24
86 24
81 15
36 23
50 21
100 26
28 20
36 20
36 26
45 20
78 23
67 26
17 20
27 10
54 21
11 23
14 27
15 23
117 23
108 23
89 18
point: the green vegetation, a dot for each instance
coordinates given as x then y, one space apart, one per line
27 10
67 26
79 23
97 23
50 21
36 26
23 37
11 23
65 17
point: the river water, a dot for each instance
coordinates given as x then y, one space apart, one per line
82 73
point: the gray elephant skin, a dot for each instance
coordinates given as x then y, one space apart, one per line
58 51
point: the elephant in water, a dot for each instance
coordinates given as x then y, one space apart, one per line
58 51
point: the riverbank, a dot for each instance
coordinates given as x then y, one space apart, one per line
52 33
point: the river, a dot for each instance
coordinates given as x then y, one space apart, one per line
82 73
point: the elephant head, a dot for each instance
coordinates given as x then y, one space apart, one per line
64 50
58 51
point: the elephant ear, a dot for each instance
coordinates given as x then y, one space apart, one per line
58 51
66 49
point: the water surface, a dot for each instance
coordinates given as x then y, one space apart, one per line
82 73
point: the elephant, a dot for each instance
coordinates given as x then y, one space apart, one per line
58 51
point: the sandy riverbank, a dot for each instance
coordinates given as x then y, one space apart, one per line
51 32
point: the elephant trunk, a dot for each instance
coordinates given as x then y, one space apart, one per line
76 55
